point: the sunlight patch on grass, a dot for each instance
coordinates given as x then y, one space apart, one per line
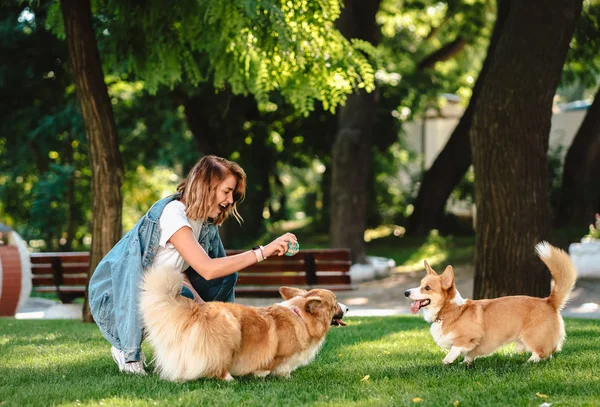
434 250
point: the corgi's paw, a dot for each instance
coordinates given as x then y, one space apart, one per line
520 347
262 373
228 377
447 360
535 358
468 362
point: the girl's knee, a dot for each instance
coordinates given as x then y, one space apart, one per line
230 280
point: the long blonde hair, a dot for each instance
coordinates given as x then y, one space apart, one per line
199 189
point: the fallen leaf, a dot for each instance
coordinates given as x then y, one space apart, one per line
542 396
455 404
417 400
364 379
386 352
339 354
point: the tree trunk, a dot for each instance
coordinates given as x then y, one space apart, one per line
509 139
580 190
100 131
351 156
455 159
70 198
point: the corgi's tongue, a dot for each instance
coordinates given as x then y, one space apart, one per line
415 306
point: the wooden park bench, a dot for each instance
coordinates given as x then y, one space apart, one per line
311 268
65 273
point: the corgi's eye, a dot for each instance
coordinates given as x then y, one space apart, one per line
427 288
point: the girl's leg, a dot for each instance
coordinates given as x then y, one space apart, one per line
187 290
219 289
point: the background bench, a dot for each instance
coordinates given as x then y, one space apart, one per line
62 273
65 273
323 268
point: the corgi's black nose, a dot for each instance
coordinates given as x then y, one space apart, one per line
407 293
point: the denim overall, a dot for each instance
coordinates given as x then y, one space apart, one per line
114 289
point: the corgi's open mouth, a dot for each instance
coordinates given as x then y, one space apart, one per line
418 304
336 322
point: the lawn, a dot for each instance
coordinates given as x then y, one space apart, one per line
371 362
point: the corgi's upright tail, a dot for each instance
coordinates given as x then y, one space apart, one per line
160 291
165 315
563 271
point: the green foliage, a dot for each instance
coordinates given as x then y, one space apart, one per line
250 46
372 361
413 31
387 191
583 60
594 232
41 130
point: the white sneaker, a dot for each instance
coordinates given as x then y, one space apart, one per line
128 367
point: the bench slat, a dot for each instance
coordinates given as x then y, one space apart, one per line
63 289
49 281
46 268
293 280
65 257
336 265
274 267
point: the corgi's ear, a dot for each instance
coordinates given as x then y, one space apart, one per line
312 305
448 278
290 292
428 268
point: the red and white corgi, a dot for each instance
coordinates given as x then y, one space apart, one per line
222 340
475 328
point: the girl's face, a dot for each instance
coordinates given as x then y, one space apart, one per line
224 195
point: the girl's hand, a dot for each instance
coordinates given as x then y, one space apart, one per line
280 245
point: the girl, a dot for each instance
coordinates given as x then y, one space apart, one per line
179 231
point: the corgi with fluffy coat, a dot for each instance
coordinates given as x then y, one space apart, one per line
222 340
475 328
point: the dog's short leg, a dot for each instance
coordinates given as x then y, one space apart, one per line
520 347
536 357
282 373
262 373
454 353
468 361
227 377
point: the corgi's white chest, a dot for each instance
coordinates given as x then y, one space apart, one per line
443 341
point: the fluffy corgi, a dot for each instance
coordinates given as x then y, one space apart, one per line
221 340
477 328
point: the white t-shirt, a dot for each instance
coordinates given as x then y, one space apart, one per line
172 219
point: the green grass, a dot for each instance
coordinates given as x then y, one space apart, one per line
68 363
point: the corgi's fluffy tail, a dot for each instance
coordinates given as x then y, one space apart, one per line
563 272
188 342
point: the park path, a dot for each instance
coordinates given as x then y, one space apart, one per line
373 298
